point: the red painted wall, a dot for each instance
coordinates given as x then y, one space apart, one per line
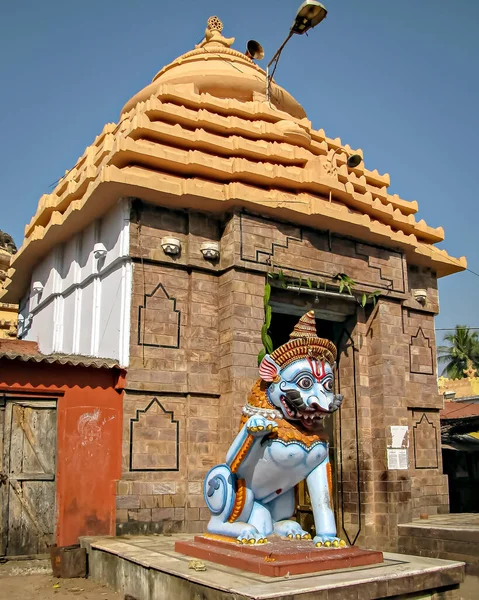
89 412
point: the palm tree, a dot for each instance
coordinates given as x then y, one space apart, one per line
463 348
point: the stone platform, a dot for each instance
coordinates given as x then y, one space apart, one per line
451 536
148 568
278 557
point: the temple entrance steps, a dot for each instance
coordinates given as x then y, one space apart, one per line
450 537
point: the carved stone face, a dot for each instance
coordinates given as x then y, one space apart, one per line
303 390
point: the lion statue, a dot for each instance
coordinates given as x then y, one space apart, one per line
280 444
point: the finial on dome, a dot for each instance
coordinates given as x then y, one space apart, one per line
213 36
305 327
215 24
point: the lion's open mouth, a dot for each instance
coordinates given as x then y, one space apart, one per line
309 417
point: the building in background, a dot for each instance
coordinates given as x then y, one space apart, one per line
154 251
8 311
60 447
460 440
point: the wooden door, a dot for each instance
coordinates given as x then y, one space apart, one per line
27 484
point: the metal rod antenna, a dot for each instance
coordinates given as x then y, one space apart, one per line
275 59
280 49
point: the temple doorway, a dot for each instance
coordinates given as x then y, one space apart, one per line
335 317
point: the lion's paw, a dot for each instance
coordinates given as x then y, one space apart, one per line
258 426
291 530
328 541
250 535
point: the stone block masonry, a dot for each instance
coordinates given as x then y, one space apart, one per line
450 537
195 336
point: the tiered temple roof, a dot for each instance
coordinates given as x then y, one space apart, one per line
203 136
8 312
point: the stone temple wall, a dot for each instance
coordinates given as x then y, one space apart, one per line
195 336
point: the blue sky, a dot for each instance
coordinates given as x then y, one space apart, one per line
398 79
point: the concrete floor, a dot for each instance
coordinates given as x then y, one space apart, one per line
33 579
466 521
450 537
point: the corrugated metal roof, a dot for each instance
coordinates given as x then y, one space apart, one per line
72 360
459 410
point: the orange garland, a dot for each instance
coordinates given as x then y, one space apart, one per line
330 480
242 452
240 500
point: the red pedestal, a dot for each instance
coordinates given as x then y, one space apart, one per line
278 557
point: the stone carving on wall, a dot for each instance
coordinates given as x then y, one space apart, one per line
420 354
281 443
267 242
425 444
154 439
259 238
159 321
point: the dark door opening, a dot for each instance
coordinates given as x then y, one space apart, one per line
282 325
333 317
462 469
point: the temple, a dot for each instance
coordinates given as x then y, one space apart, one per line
155 248
8 311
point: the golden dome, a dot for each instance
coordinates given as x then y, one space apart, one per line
215 68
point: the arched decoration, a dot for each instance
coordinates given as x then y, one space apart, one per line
425 444
159 321
154 439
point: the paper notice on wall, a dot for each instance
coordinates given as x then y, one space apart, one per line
400 438
397 459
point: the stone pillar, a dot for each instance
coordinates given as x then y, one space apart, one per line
171 419
241 316
395 386
388 497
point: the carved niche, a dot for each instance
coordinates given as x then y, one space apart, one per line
420 354
154 439
159 321
425 442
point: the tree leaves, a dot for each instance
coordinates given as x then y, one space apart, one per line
261 355
345 282
374 296
268 313
266 339
462 348
266 294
